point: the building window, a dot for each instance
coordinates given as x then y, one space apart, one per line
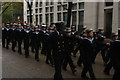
36 10
51 17
81 5
74 7
47 3
36 4
28 12
40 4
65 17
74 18
81 18
47 19
28 19
47 9
40 10
40 17
51 9
59 8
64 7
36 19
51 2
59 2
59 16
108 3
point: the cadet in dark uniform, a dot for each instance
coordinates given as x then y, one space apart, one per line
36 42
49 59
27 37
7 35
43 36
115 58
58 49
3 36
87 55
19 37
99 44
13 36
109 65
83 35
68 50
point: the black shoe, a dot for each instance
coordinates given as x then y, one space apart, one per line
13 50
106 72
26 56
46 62
7 47
37 60
73 71
64 69
84 77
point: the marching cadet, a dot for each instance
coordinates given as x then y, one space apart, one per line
83 35
36 42
13 36
87 55
32 41
3 36
43 34
58 49
7 35
19 37
49 59
27 36
68 50
109 65
114 52
99 44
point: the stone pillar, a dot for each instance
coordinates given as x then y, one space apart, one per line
90 15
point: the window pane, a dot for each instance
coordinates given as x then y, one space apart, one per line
51 9
40 4
74 7
65 17
64 7
47 9
51 18
74 18
36 19
59 17
40 17
40 10
36 4
81 18
36 10
47 18
81 5
59 8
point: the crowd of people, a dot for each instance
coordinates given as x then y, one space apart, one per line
59 43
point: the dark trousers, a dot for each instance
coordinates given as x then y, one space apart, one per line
68 60
58 61
49 56
3 42
13 44
36 52
8 42
26 46
79 62
19 46
87 68
103 53
108 67
116 75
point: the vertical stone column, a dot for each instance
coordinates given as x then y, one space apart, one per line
115 18
90 15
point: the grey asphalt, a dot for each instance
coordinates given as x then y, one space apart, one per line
15 65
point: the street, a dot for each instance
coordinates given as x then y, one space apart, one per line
15 65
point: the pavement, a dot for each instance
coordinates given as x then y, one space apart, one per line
15 65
